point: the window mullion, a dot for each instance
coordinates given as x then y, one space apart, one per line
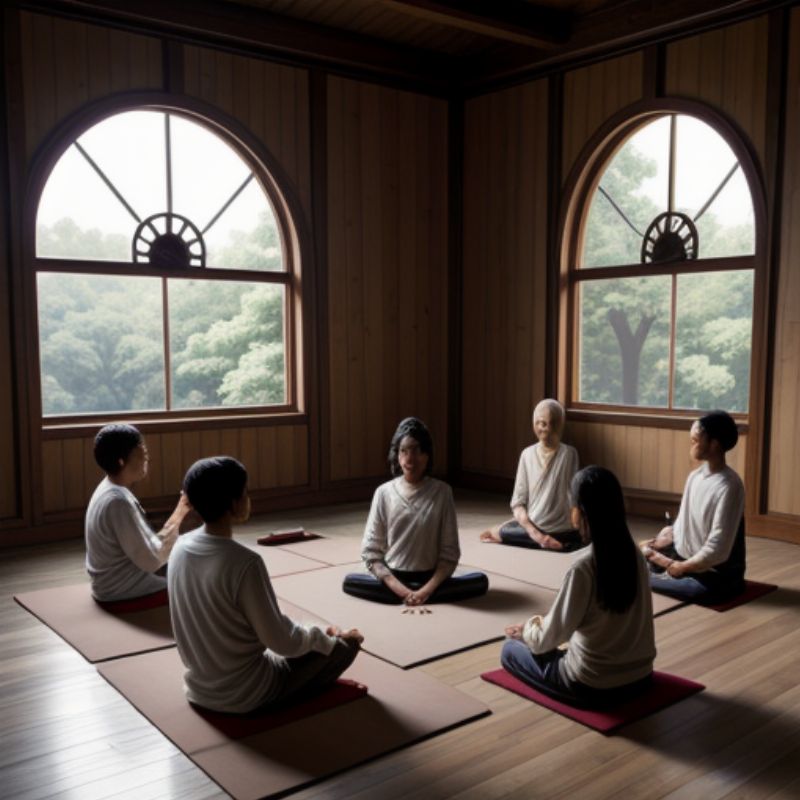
167 355
673 337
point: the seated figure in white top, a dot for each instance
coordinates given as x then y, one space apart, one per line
603 610
702 555
410 544
540 501
240 651
123 553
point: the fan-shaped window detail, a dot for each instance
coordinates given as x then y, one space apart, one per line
163 280
662 277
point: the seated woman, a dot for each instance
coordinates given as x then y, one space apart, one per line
123 554
240 652
702 556
411 540
540 504
603 610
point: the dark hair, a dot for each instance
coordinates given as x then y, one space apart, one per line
213 485
719 425
416 429
597 493
114 442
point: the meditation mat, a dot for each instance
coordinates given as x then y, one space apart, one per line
412 638
752 591
329 550
155 600
544 568
98 634
282 562
287 537
666 690
400 708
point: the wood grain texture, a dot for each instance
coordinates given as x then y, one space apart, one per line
68 733
66 64
726 68
387 275
504 274
593 94
784 450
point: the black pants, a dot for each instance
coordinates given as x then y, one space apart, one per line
514 534
456 587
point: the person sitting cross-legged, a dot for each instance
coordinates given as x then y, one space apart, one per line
241 653
701 557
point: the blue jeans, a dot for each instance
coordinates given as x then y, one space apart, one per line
456 587
713 586
541 671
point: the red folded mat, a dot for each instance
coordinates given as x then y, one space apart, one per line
237 726
752 591
287 537
665 690
154 600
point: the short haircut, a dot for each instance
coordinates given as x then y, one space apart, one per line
417 430
213 485
719 425
557 413
114 442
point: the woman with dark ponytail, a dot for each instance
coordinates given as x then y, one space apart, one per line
603 611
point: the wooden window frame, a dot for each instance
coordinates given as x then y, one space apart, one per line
288 216
579 190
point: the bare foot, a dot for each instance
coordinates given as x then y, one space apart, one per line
491 535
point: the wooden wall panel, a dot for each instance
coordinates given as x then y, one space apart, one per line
66 64
274 457
643 458
387 272
726 68
784 450
593 94
505 274
270 100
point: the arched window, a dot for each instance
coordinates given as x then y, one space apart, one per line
164 274
661 271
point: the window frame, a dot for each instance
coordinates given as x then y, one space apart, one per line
580 189
290 221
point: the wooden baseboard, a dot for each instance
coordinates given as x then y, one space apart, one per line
772 526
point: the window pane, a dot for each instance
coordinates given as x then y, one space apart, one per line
624 341
703 160
714 328
227 343
101 343
634 186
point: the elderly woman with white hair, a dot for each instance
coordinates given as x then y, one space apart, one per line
540 502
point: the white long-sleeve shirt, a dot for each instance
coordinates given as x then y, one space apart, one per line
122 551
708 520
228 626
411 528
543 488
606 649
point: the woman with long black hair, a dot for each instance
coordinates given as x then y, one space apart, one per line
603 612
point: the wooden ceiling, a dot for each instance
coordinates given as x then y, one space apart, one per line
443 46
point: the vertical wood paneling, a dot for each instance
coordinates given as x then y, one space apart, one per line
726 68
271 100
65 64
593 94
784 451
505 274
387 281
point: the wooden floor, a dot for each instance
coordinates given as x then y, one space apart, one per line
65 733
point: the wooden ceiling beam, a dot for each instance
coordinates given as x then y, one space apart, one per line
514 21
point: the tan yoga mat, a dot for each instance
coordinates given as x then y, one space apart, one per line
98 634
401 708
95 633
280 561
330 550
407 639
540 567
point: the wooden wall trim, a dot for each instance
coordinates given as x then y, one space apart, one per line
555 138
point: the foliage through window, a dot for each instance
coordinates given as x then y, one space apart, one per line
664 273
161 273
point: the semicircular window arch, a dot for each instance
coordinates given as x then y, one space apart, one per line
164 283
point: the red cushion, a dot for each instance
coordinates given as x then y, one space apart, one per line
154 600
752 590
287 537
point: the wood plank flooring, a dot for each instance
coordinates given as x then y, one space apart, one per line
64 733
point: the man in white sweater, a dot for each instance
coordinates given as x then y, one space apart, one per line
240 651
123 554
702 556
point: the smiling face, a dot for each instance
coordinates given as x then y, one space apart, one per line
546 426
413 461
